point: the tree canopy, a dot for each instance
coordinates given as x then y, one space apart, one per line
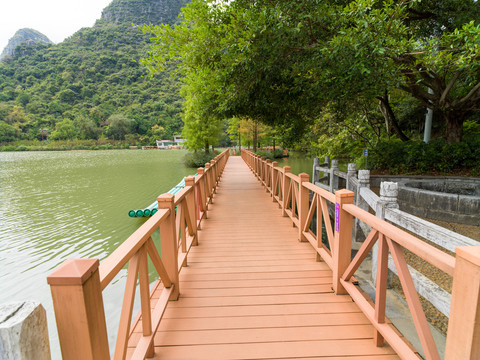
284 62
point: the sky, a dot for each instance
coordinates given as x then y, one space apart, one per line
57 19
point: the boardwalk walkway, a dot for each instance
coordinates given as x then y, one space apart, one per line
252 291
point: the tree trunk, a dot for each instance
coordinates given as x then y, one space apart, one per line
454 126
274 146
207 147
390 116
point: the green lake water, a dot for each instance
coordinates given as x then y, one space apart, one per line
298 162
60 205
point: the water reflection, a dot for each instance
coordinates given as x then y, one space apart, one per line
299 162
59 205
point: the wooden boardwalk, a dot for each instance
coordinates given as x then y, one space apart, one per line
252 291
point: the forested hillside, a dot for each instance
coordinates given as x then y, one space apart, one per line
91 85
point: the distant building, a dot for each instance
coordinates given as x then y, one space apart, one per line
178 139
165 144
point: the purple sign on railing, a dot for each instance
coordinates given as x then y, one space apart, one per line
337 217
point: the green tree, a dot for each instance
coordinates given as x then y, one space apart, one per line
64 130
413 46
7 132
283 62
87 127
158 132
118 126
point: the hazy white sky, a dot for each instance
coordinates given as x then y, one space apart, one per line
57 19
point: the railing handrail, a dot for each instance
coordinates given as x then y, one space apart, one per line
465 268
110 266
427 252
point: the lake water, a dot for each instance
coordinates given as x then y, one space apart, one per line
298 162
60 205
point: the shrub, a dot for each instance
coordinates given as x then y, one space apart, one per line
265 154
197 159
419 157
277 154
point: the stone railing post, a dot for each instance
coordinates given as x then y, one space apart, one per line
315 177
303 205
79 313
169 242
333 178
342 248
327 161
351 173
388 199
361 229
463 336
286 186
23 331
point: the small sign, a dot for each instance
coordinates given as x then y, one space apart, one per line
337 217
365 152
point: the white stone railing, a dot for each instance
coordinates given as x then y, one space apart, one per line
386 207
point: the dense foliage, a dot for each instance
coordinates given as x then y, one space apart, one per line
365 69
434 157
196 159
90 86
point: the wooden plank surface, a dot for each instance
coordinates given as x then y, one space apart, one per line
252 291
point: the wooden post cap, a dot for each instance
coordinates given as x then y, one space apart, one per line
189 181
304 177
212 162
73 272
469 253
344 193
200 171
287 169
166 198
207 165
268 161
274 164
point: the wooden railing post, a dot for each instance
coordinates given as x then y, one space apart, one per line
202 187
274 180
213 170
286 186
169 242
208 182
303 205
266 174
463 336
79 312
192 209
342 245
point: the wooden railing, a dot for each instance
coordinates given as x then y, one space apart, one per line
77 284
292 195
